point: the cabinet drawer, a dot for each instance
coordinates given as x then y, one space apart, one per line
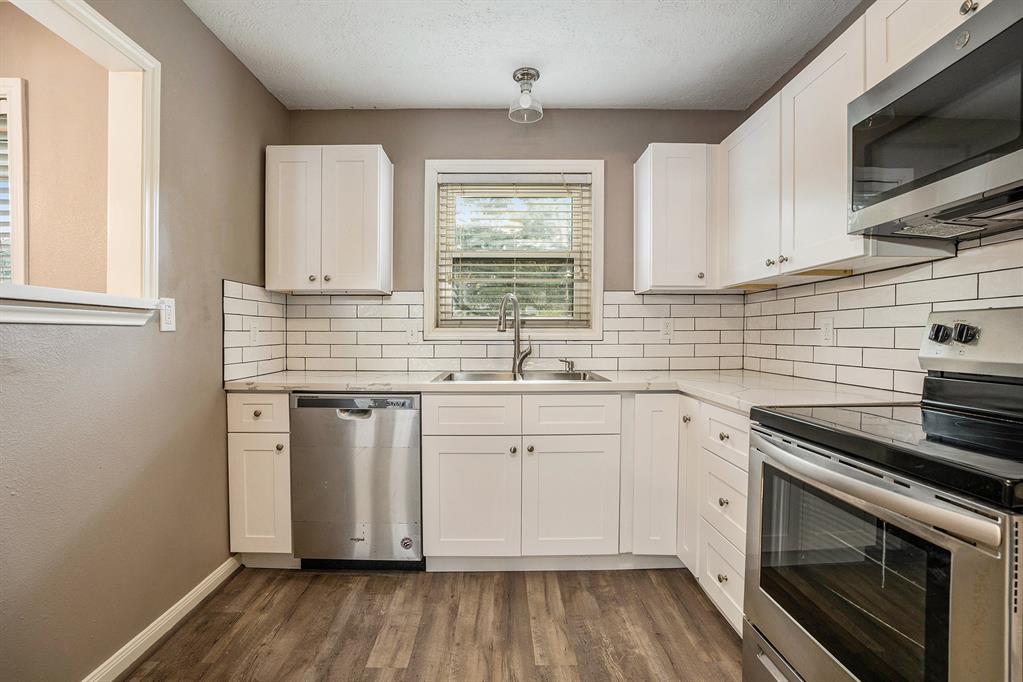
723 574
724 498
257 412
472 415
726 434
567 414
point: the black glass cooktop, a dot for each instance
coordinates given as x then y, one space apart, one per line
979 456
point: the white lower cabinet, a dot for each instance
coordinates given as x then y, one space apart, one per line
722 574
687 532
259 483
655 463
570 495
472 495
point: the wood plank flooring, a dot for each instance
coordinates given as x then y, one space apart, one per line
592 625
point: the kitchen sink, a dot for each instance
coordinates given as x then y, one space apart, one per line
526 376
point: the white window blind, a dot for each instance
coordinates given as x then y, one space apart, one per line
6 273
527 233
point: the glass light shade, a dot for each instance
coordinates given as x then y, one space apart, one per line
525 112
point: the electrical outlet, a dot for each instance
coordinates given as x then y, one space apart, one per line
413 335
667 328
254 332
168 317
828 331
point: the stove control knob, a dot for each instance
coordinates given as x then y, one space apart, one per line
940 333
964 333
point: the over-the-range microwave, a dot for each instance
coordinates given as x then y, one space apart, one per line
936 148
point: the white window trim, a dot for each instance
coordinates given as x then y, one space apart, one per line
79 24
434 168
12 90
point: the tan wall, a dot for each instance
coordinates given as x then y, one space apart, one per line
66 102
113 462
411 136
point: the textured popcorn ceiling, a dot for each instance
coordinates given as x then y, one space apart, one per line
672 54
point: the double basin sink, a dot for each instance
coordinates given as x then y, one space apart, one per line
537 376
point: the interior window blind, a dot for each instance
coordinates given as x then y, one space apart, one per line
531 234
5 198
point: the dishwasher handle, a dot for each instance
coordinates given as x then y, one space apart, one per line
354 414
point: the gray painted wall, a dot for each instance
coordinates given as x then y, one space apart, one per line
410 136
112 440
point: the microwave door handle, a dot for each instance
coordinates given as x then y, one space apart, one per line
968 526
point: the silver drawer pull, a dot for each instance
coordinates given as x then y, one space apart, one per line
257 413
722 578
722 501
280 446
722 436
529 449
513 449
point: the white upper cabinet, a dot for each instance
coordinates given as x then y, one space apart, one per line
749 205
671 219
329 218
293 218
815 158
898 30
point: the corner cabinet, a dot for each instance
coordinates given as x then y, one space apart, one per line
671 218
329 219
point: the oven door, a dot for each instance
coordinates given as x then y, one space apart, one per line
849 576
945 130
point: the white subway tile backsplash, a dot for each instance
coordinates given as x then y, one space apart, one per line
933 290
1001 283
254 330
891 358
861 376
874 297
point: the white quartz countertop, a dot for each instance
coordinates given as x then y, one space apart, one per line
737 390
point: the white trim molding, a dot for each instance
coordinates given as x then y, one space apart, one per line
434 168
139 645
606 562
24 314
135 106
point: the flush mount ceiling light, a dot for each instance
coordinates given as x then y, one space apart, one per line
526 108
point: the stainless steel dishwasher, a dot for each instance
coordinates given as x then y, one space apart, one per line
355 478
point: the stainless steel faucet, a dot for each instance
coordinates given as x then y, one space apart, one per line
518 356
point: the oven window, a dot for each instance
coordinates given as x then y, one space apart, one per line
873 595
966 115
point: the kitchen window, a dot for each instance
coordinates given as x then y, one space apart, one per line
12 182
531 228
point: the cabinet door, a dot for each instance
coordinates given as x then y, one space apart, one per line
356 219
671 218
570 495
815 158
751 203
687 533
898 30
472 488
293 218
259 492
655 460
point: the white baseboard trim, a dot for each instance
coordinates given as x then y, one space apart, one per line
130 653
613 562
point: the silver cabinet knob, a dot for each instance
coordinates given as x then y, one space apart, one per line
257 413
723 436
783 259
529 449
722 501
769 262
312 278
968 6
722 578
700 275
326 278
686 419
513 449
280 446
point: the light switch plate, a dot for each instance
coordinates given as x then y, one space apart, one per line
254 331
828 331
168 316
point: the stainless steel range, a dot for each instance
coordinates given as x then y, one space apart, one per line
883 541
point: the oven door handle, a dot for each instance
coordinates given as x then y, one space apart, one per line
969 526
